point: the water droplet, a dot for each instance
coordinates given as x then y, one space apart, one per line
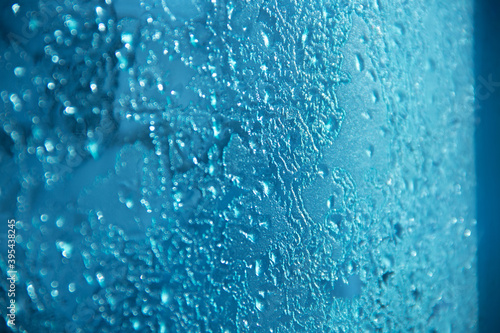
100 279
65 248
19 71
259 305
359 62
15 8
258 267
266 39
164 296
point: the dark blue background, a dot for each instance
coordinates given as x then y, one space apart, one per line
487 64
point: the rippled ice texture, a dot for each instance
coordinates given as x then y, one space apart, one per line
239 166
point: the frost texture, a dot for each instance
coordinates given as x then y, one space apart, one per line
170 165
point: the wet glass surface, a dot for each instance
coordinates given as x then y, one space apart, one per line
239 166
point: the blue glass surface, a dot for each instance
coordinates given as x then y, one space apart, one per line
239 166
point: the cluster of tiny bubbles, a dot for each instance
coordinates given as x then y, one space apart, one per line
58 109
